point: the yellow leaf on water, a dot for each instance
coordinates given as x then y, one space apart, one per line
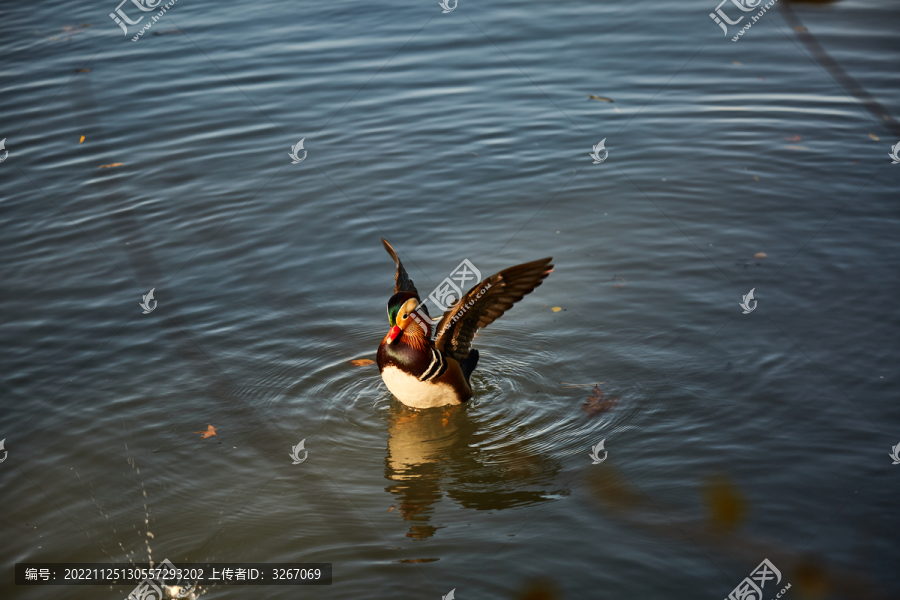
759 255
556 308
112 165
362 362
873 136
797 148
756 178
81 140
210 431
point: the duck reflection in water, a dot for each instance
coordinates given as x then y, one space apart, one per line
439 452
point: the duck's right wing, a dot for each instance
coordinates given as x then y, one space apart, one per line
484 304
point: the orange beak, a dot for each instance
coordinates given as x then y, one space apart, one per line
394 334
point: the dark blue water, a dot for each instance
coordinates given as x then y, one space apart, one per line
735 438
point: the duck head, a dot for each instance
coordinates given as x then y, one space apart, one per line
400 308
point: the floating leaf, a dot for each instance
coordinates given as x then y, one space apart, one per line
760 255
601 98
556 308
81 140
112 165
362 362
738 63
800 28
211 431
725 505
797 148
391 508
794 138
418 560
83 71
597 403
873 136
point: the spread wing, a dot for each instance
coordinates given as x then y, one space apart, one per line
484 303
402 282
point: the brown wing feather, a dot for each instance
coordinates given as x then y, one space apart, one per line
402 282
458 326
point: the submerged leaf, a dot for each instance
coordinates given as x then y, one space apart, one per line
726 507
597 403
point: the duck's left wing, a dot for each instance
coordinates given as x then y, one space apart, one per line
484 303
402 282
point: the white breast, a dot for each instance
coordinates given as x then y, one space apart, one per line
417 394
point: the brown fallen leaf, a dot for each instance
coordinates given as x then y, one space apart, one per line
81 140
418 560
362 362
874 137
601 98
597 403
556 308
800 28
211 431
794 138
797 148
756 178
760 255
83 71
112 165
391 508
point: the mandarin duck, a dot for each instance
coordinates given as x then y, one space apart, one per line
423 372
